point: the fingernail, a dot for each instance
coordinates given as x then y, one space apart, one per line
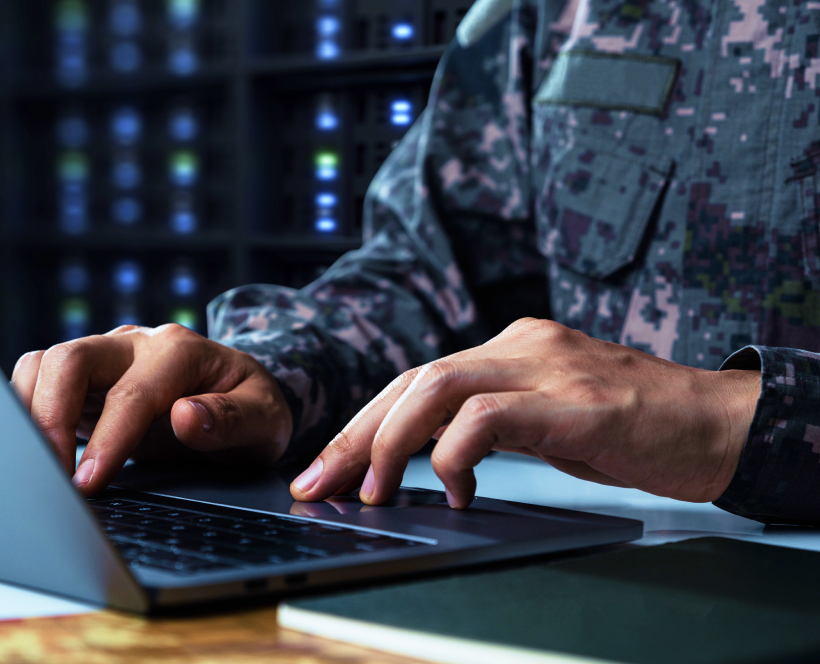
307 480
203 415
84 473
451 501
369 483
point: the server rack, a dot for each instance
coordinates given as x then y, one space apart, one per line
157 152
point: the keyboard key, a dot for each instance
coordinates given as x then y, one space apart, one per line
187 541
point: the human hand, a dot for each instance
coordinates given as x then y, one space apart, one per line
169 382
593 409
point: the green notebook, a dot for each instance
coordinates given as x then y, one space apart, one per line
710 600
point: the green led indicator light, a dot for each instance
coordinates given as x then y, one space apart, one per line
184 167
185 317
327 160
75 312
71 16
73 166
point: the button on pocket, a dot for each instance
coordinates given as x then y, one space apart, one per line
595 207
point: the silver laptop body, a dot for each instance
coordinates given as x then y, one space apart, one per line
51 540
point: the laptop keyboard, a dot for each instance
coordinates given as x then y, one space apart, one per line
154 534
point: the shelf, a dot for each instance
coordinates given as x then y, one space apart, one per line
294 243
349 62
119 240
42 84
153 240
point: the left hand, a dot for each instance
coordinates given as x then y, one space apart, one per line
593 409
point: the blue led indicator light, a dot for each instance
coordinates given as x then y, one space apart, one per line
327 121
400 112
72 131
125 19
328 26
127 173
325 225
183 60
74 277
183 222
73 209
126 57
183 282
183 125
126 314
326 200
327 50
126 211
403 31
127 277
126 125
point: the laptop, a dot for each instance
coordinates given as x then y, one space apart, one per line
155 543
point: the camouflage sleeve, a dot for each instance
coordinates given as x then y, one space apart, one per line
448 240
778 477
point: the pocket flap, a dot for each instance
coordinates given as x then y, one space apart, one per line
640 83
595 207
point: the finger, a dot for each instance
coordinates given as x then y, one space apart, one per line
67 373
253 416
344 462
24 376
436 394
510 421
144 393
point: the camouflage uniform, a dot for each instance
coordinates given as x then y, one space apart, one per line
641 170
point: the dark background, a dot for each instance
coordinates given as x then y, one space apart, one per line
154 153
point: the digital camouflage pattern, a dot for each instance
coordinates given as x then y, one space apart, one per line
641 170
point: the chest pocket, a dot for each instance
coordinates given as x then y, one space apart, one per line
595 207
598 195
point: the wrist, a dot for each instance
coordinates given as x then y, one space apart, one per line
736 401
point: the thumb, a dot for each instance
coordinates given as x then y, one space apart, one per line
247 417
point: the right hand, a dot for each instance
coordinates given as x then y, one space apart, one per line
168 382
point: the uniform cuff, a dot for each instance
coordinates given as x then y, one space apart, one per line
778 476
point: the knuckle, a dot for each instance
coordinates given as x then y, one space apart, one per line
520 323
26 359
66 353
123 329
481 408
442 462
551 330
48 420
128 391
343 445
405 380
177 332
398 385
437 376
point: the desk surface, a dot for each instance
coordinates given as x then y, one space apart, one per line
253 636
